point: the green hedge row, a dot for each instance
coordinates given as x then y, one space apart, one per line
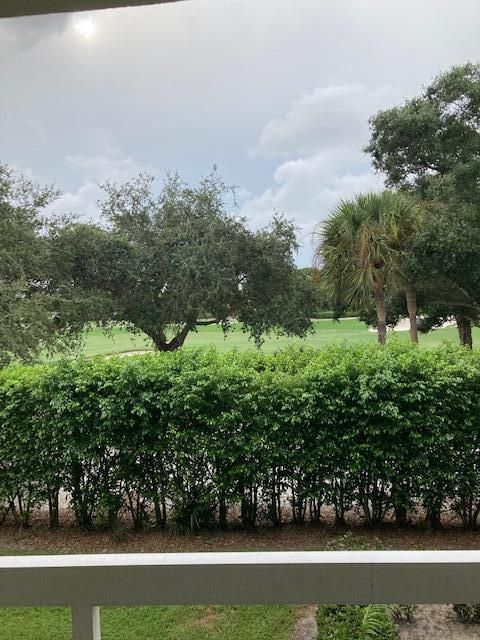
196 438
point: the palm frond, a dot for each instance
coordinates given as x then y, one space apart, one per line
363 241
375 622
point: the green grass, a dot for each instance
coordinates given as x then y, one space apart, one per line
326 332
119 341
156 623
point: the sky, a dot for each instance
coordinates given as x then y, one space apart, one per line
276 93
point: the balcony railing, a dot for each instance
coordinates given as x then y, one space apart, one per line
85 582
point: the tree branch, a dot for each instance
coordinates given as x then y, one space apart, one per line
179 339
204 323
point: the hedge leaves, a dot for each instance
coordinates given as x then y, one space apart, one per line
194 438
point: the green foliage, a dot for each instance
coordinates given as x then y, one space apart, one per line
403 612
431 145
167 264
375 622
32 310
362 242
446 259
340 622
432 142
193 438
467 612
362 247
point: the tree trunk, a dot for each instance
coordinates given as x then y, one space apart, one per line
159 521
222 511
175 343
435 519
464 326
411 298
381 313
53 508
401 519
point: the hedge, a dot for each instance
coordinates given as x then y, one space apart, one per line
194 438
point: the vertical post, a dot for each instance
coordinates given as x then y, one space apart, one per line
86 623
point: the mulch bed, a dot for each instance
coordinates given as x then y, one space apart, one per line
70 539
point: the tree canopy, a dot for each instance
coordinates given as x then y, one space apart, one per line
431 145
32 313
166 264
432 142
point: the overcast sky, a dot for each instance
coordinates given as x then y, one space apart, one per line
277 93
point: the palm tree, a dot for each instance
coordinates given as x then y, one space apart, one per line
401 224
362 249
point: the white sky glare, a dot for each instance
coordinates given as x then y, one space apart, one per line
85 27
277 93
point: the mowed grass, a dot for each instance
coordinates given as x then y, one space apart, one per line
325 332
156 623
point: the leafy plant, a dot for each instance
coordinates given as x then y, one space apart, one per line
376 623
467 612
403 612
345 622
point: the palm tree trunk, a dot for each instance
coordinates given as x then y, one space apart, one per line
411 298
381 313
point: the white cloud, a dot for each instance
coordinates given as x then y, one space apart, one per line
30 30
153 81
18 126
307 189
82 202
322 134
332 117
111 164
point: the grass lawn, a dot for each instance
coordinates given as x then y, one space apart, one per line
326 332
155 623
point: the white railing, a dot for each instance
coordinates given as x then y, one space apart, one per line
85 582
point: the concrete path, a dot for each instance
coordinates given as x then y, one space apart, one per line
306 626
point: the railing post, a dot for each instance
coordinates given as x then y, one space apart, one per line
86 623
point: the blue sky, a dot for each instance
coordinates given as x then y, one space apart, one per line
277 93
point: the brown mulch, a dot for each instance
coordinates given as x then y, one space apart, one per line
437 622
70 539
